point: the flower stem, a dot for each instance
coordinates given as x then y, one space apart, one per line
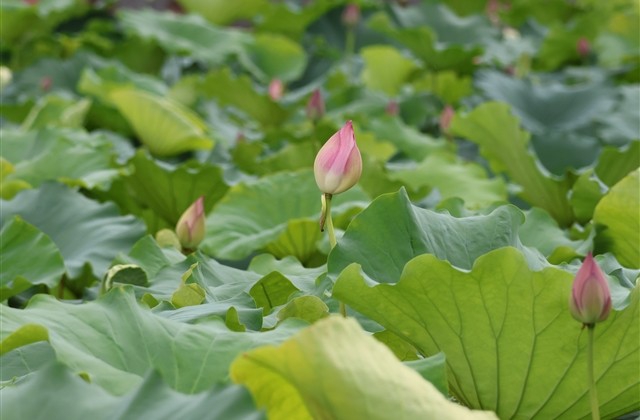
328 223
593 392
350 47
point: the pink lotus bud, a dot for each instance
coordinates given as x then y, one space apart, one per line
590 300
190 228
338 164
46 83
583 47
392 108
276 89
315 106
445 118
351 15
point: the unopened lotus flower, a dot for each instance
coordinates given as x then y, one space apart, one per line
590 300
315 106
583 47
445 119
276 89
351 15
338 165
191 228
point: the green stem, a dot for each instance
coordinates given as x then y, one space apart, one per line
350 48
328 223
61 287
593 391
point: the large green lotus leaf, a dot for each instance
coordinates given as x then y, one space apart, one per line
84 231
57 111
619 214
614 164
451 29
190 35
379 180
291 157
447 85
414 144
60 75
421 41
148 255
101 82
586 192
164 192
270 57
239 92
291 18
549 106
39 18
254 214
454 178
385 68
542 232
561 152
505 145
223 291
29 257
164 126
323 369
116 342
623 123
70 397
222 12
25 360
165 267
392 231
511 343
303 278
70 156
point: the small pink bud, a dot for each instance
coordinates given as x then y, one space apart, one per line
190 228
351 15
583 47
392 108
315 106
46 83
276 89
492 10
590 300
338 165
445 119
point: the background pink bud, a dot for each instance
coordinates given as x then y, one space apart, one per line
338 165
445 118
191 228
392 108
351 15
276 89
590 300
315 106
583 47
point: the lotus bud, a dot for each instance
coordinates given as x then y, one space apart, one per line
190 228
392 108
276 89
338 165
315 106
351 15
445 119
583 47
590 300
